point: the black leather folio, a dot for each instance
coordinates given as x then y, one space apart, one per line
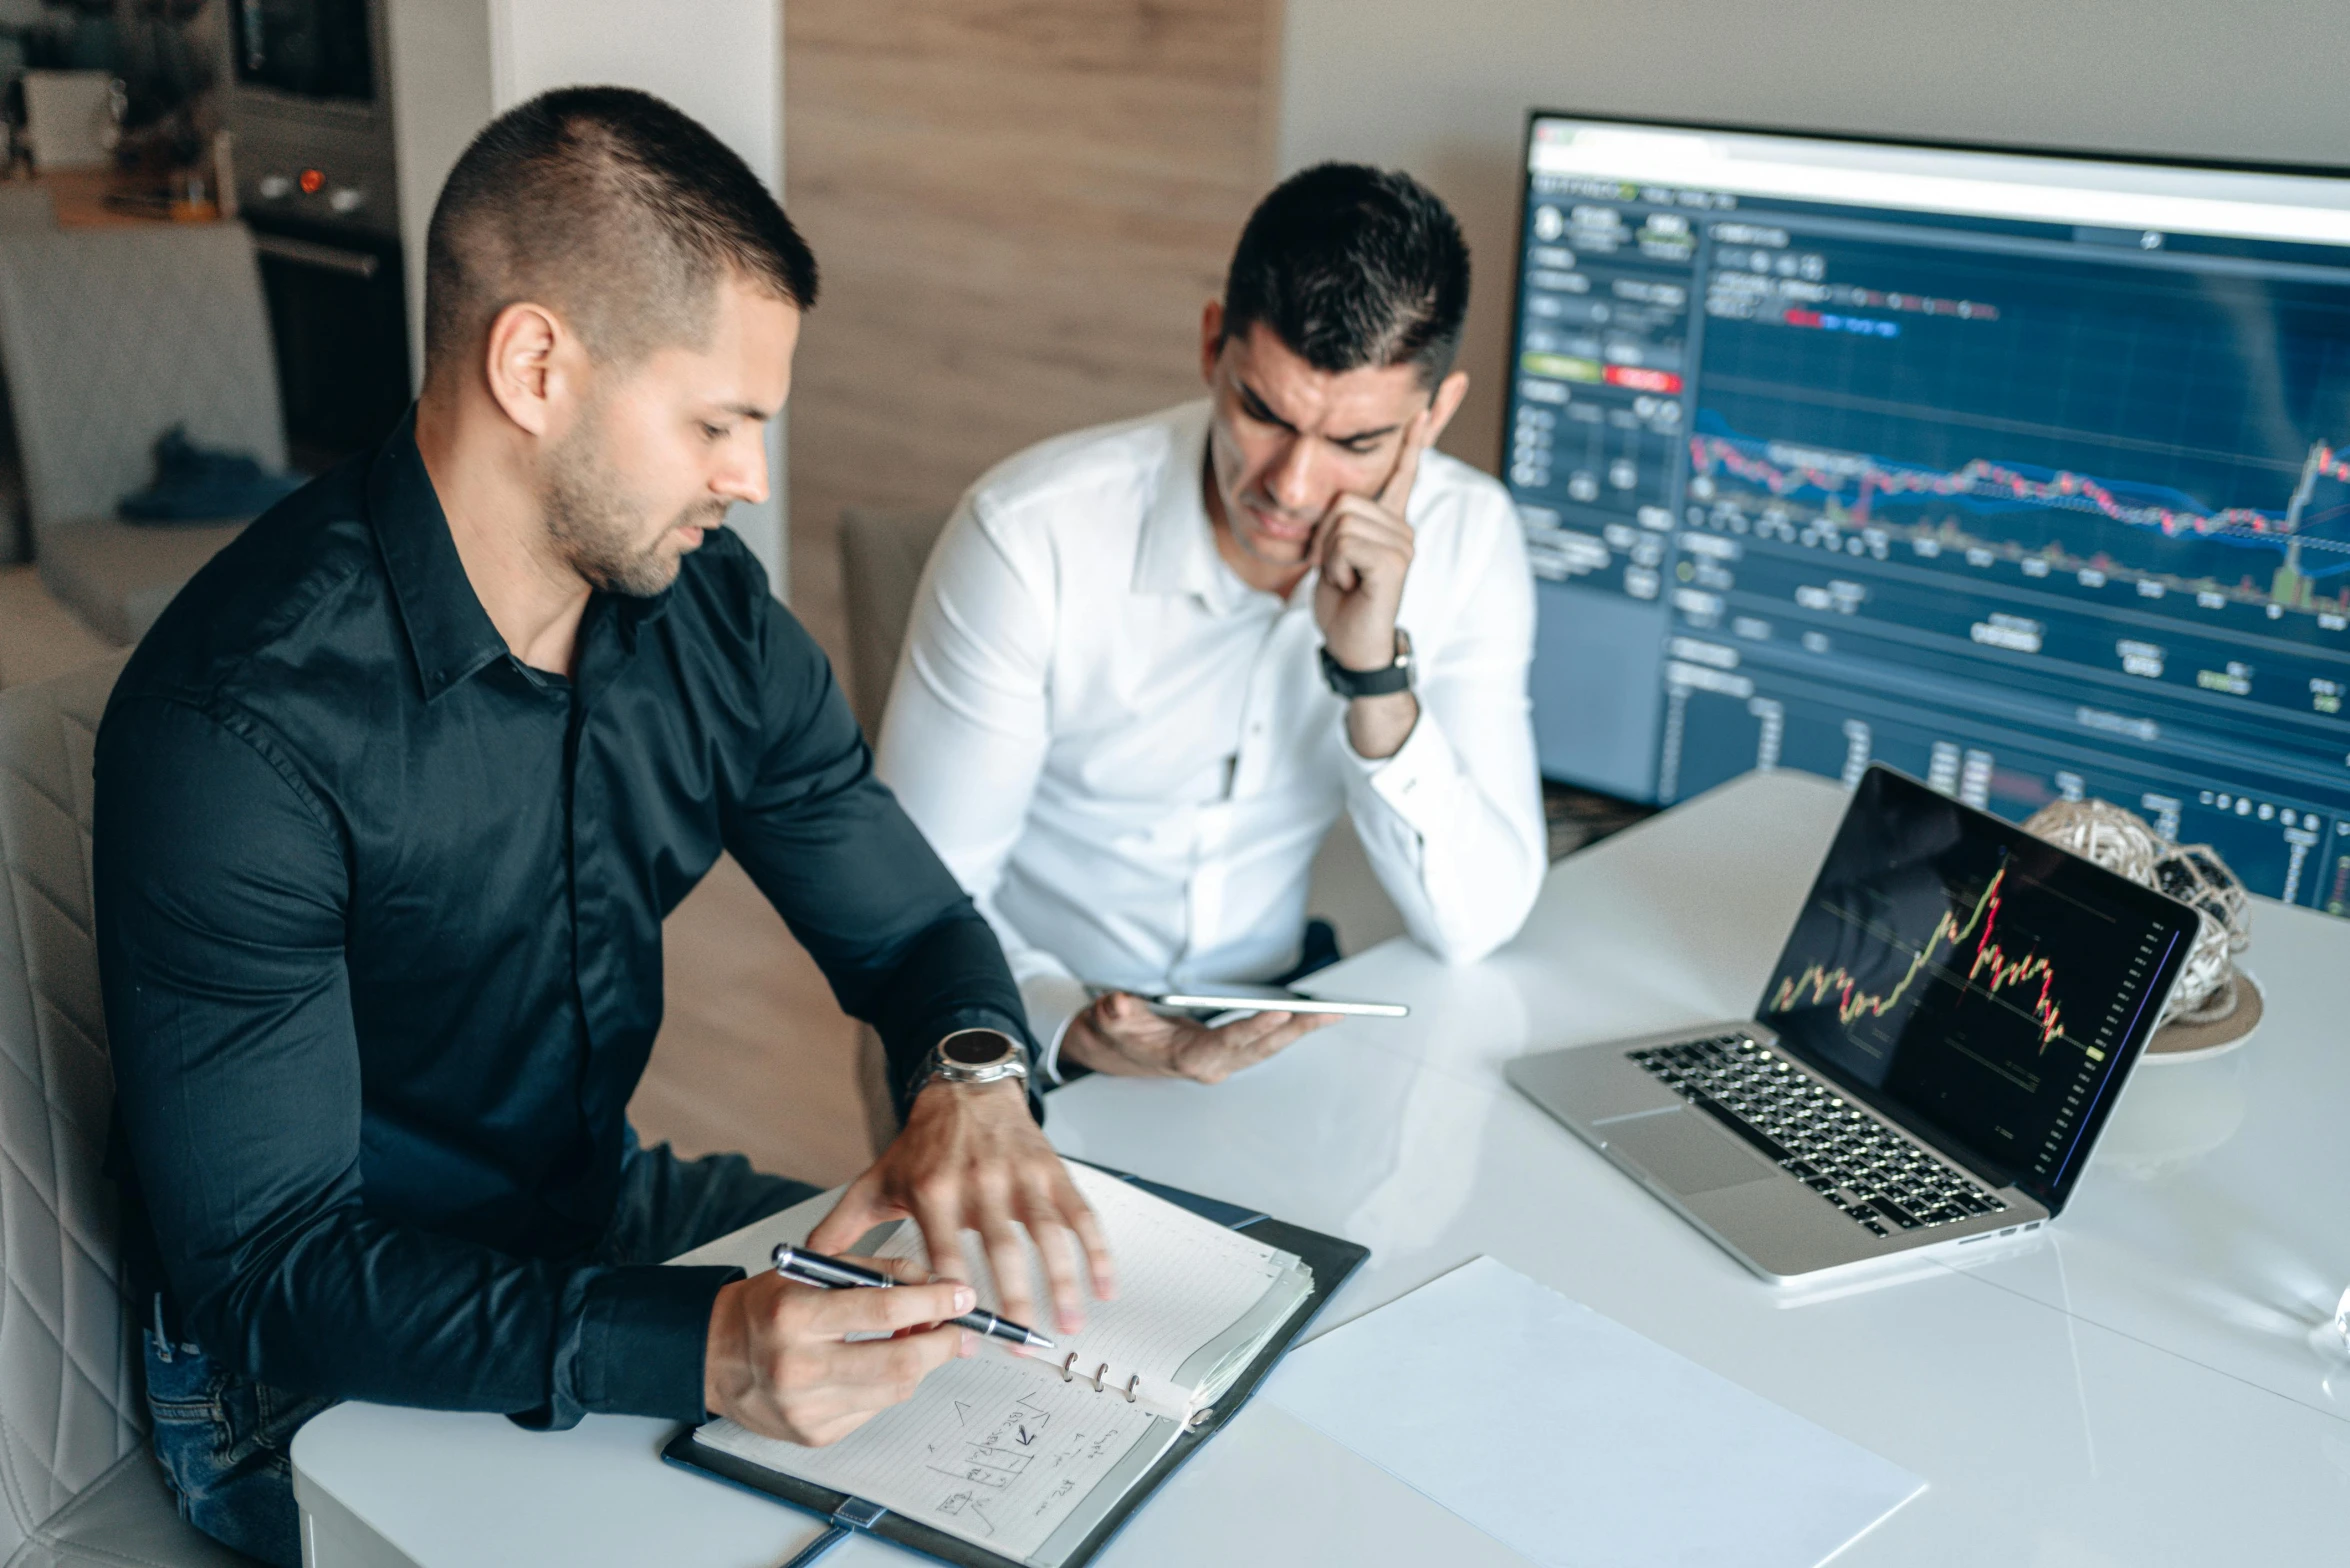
1332 1260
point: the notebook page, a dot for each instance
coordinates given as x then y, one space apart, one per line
998 1452
1182 1281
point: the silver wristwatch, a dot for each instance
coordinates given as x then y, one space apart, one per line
976 1056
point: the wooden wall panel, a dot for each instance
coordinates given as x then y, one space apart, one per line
1019 206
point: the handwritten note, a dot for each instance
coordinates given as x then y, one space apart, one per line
990 1452
1001 1450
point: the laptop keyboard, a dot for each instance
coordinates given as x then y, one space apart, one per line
1879 1178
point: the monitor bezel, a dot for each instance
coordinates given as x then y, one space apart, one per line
2179 918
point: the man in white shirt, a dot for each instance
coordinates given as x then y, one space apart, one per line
1150 663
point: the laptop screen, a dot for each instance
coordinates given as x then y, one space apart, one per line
1984 988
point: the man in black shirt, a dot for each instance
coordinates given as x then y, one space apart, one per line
391 804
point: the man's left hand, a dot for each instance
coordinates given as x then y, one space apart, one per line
971 1157
1364 550
1120 1034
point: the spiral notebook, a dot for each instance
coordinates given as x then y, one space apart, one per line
1037 1460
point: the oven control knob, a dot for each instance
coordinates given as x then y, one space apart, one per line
346 198
275 187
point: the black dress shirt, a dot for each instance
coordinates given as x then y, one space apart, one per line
379 920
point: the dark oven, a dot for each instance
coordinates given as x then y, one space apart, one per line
309 104
338 314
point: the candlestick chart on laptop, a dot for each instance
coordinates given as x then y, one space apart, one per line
1977 978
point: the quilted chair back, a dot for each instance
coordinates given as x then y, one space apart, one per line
111 336
70 1404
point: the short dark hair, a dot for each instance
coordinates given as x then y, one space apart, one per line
614 209
1353 266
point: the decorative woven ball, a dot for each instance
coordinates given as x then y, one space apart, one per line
2210 988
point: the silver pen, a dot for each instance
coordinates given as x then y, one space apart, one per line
826 1273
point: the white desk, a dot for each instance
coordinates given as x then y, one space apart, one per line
2137 1388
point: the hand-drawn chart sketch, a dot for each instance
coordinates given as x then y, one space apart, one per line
1003 1455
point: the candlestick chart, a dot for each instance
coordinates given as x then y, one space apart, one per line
1989 966
1977 978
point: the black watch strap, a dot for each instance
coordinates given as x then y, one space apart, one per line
1351 684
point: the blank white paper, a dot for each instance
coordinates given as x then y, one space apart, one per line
1577 1442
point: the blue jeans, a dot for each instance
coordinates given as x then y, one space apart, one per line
226 1441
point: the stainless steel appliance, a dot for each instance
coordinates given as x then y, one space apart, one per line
308 101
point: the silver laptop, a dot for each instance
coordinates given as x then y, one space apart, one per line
1945 1031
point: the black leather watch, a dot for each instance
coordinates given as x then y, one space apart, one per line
1351 684
976 1056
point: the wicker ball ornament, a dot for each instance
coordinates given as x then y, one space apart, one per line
2211 991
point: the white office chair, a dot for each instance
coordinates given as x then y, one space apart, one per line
109 337
24 209
78 1485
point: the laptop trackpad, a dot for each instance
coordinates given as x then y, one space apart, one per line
1685 1150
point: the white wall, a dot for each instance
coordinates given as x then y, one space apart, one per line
1443 90
456 63
440 70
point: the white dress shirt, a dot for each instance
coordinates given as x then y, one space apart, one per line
1129 757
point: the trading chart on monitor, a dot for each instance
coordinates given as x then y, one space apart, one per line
2029 476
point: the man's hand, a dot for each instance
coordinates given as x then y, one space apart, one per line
1364 550
778 1361
972 1158
1120 1034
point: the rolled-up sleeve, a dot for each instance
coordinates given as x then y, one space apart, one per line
222 884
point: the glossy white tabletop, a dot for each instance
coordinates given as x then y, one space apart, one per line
2138 1387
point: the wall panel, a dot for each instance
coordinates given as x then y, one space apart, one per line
1019 208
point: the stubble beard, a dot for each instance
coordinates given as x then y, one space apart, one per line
596 532
1238 518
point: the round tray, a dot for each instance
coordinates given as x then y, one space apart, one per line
2178 1042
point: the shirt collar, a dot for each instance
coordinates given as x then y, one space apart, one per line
1177 551
449 633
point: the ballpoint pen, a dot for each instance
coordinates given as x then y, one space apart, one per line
826 1273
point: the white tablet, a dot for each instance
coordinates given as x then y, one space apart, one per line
1240 999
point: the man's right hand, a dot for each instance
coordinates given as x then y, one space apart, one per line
778 1360
1120 1034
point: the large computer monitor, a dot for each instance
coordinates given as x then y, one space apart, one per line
2026 474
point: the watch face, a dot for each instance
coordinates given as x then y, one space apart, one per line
976 1048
